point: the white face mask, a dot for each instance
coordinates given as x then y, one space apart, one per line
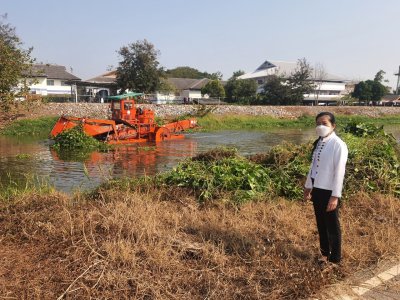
323 130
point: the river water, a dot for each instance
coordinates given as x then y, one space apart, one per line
23 157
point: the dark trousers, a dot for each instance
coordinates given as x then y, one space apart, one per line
330 235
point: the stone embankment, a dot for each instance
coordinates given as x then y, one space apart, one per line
97 110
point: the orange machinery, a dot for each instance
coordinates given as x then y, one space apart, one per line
128 124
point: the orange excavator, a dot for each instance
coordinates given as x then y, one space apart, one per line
128 124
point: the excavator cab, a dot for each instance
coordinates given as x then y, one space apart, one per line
123 106
123 110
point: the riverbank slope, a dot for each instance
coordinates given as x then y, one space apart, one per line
97 110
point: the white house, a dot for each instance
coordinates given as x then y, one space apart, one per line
328 87
52 80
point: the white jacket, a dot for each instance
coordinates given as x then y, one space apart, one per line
328 165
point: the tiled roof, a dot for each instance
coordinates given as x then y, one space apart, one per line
108 77
188 83
52 72
391 98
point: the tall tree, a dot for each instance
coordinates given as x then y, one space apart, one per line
240 90
139 68
15 65
379 76
214 88
300 81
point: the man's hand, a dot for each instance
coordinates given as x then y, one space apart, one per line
307 194
332 204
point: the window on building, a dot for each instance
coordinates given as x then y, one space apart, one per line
64 83
50 82
260 81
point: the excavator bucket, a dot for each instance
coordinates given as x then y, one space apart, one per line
91 127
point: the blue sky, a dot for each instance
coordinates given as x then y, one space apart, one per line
351 38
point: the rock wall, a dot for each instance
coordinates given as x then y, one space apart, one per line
97 110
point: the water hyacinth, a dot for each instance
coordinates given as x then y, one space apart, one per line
75 144
220 171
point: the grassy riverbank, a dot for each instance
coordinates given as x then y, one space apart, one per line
39 127
211 122
244 122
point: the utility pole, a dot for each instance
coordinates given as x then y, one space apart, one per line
398 79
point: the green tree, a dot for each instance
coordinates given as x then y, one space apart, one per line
371 90
188 72
276 91
363 91
300 81
185 72
240 90
139 68
379 77
214 88
15 65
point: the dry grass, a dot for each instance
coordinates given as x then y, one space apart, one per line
125 245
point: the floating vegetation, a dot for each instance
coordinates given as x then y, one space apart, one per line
75 144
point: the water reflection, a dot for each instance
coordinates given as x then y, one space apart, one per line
132 160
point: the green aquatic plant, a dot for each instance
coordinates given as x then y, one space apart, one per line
210 177
287 165
75 144
364 129
76 139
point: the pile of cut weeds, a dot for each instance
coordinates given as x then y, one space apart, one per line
373 166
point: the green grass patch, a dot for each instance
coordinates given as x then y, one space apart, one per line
212 122
30 184
40 127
